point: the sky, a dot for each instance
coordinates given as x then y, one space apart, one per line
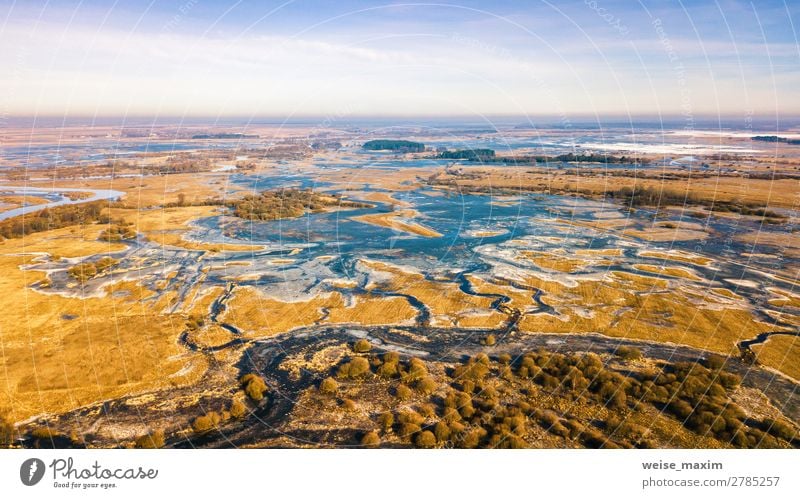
337 59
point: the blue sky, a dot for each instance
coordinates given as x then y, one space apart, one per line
299 58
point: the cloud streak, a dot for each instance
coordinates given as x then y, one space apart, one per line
441 63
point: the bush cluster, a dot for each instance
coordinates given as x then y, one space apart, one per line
362 346
254 386
118 232
152 440
357 367
490 402
207 422
85 271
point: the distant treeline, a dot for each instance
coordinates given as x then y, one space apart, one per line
395 145
52 218
774 138
221 136
488 155
650 196
469 154
632 196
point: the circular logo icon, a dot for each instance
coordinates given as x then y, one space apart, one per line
31 471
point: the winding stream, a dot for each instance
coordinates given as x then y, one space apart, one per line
55 197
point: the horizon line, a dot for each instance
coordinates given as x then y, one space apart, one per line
334 118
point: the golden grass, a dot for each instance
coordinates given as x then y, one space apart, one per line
662 234
793 320
374 310
518 298
199 300
493 319
402 179
399 221
321 361
599 252
488 233
781 352
68 242
210 336
340 283
258 315
385 198
669 271
725 293
9 202
166 227
444 299
628 308
603 225
784 298
550 261
64 352
771 192
60 352
153 191
680 256
640 283
631 306
786 243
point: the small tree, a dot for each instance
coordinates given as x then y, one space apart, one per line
362 346
207 422
471 439
371 440
416 370
238 409
357 367
781 429
714 362
450 414
408 430
456 427
442 431
388 370
152 440
410 417
629 353
548 418
254 386
428 410
426 385
386 420
514 442
467 411
328 386
425 439
403 392
490 340
6 431
559 430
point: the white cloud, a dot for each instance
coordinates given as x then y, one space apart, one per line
86 71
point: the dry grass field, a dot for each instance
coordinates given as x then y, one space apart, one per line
400 221
781 352
59 353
